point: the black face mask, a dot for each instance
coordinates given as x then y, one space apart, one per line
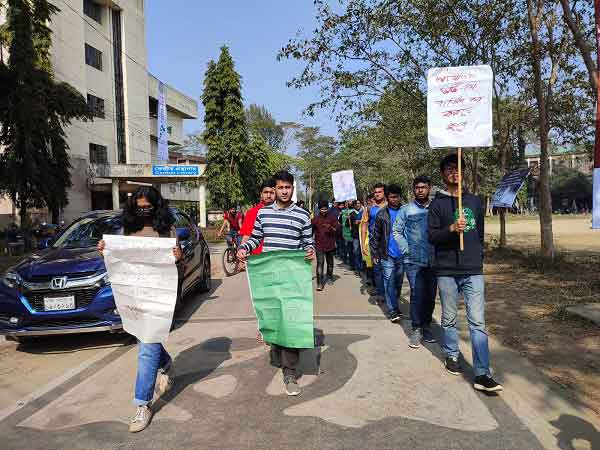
144 212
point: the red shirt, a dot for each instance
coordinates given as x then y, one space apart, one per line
324 229
248 225
233 220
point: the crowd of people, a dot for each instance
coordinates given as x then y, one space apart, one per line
381 241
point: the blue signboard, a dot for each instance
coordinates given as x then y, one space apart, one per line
173 171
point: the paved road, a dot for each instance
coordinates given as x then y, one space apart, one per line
363 388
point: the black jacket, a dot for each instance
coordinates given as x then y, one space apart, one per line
380 238
447 257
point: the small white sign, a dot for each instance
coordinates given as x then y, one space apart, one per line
459 106
343 185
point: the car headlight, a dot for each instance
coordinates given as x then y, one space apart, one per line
12 279
104 281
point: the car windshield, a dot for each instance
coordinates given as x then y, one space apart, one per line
87 232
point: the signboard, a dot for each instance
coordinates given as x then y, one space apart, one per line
508 188
143 278
175 171
162 131
459 106
343 186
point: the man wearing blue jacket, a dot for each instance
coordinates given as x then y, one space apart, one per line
410 232
460 272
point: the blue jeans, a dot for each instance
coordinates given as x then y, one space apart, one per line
340 248
378 279
393 276
357 255
472 288
349 254
233 235
423 287
151 358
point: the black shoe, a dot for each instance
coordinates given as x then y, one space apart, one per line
395 317
320 287
487 384
452 366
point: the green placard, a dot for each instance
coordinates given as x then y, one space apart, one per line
282 295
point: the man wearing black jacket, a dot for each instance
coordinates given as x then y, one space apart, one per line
460 272
386 252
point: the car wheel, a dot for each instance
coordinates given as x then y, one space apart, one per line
204 283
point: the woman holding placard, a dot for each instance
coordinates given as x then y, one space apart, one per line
146 214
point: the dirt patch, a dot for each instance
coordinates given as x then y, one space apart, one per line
526 303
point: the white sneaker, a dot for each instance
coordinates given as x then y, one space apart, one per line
141 420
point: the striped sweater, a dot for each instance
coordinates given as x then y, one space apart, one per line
281 229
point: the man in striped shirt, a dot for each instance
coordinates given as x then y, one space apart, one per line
282 226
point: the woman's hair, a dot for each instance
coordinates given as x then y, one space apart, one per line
161 218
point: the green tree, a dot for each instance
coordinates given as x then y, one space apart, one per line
35 166
261 122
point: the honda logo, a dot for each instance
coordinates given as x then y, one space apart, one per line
58 283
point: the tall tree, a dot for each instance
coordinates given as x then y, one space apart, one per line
35 166
261 122
225 132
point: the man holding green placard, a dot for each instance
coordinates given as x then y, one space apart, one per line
281 278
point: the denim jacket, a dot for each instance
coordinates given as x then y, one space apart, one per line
410 232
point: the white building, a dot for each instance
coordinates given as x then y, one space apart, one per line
99 47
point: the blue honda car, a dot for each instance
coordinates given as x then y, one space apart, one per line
65 288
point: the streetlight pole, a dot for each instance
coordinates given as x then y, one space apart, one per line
596 190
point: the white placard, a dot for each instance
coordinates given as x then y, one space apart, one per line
596 200
343 185
143 277
459 106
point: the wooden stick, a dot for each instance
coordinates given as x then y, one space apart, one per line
460 208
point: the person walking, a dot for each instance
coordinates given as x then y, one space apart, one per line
347 235
367 232
324 228
146 214
267 197
410 232
460 272
355 221
282 226
386 253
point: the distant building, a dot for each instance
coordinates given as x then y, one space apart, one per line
570 156
99 47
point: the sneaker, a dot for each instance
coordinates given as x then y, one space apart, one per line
291 385
487 384
320 287
428 335
141 420
395 317
452 365
414 341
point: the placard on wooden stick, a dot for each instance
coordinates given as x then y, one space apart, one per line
459 112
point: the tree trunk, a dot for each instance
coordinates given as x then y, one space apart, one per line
581 44
545 199
56 214
502 243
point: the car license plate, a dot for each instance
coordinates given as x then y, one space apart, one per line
59 303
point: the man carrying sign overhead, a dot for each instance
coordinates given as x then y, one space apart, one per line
460 272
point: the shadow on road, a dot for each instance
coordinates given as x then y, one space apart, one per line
573 429
71 343
212 353
192 303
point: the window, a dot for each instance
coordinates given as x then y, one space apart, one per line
98 154
96 105
182 223
93 10
93 57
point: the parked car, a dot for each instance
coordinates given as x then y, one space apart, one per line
65 288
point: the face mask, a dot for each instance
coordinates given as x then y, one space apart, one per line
144 212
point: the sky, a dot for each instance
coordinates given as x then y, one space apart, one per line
182 36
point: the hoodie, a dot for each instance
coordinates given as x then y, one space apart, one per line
448 260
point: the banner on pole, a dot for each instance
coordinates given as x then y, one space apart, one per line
508 188
162 131
281 291
596 200
343 185
459 106
143 278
